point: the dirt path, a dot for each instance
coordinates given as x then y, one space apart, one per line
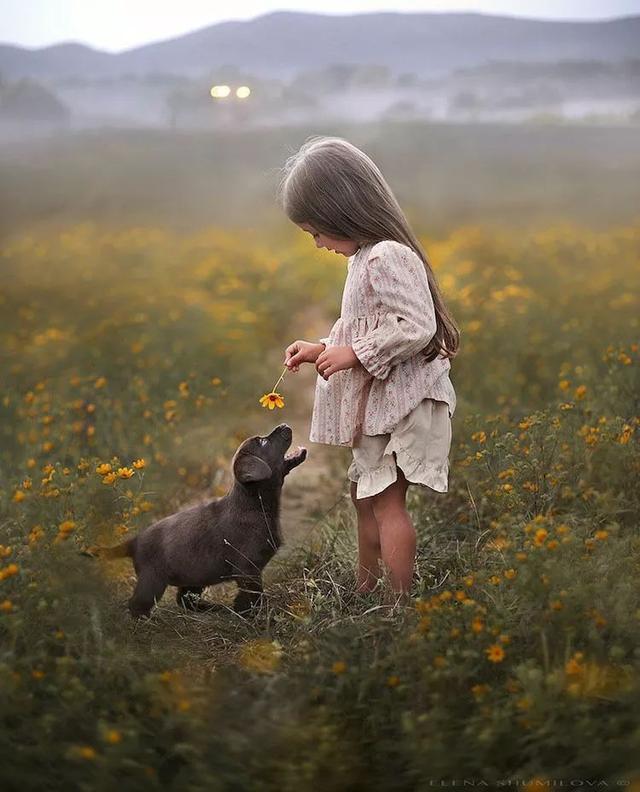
314 487
310 492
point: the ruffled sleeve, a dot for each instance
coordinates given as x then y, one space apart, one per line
332 332
399 281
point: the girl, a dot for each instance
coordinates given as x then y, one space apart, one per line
383 384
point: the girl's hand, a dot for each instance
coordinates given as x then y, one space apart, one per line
301 352
334 359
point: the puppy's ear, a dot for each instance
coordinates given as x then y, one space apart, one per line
248 467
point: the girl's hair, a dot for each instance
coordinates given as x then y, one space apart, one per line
335 187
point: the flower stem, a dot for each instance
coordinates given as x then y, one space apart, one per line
278 382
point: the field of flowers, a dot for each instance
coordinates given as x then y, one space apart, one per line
133 360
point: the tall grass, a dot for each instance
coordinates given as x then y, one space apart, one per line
145 351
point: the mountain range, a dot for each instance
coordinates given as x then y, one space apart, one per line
283 43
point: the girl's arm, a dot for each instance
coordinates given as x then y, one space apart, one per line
399 280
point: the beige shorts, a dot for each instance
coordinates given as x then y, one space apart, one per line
419 445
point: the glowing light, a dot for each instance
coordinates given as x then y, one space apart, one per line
243 91
220 91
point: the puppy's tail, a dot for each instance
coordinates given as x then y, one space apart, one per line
122 550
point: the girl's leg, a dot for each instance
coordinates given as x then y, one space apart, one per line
397 534
368 542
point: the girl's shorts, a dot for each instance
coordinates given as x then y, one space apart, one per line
419 445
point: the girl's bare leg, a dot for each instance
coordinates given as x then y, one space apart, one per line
368 543
397 534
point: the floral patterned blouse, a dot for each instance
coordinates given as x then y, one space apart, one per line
388 318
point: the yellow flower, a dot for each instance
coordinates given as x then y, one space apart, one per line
6 606
580 392
139 464
495 653
18 496
573 667
109 478
125 472
8 571
480 690
479 437
540 536
272 400
625 435
113 736
477 625
103 469
393 681
339 667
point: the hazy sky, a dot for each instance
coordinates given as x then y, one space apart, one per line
119 24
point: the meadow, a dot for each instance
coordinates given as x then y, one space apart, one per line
133 357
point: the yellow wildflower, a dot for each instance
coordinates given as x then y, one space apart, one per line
580 392
495 653
540 536
272 400
477 625
339 667
8 571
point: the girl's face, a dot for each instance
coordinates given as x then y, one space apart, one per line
345 247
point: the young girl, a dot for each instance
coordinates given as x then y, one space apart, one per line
383 384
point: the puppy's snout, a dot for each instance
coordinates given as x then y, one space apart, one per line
283 429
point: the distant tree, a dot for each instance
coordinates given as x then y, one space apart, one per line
464 100
373 76
407 80
27 100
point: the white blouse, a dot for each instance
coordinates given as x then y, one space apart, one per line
388 318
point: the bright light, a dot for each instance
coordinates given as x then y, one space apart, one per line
243 91
220 91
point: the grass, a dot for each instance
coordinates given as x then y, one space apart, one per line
517 655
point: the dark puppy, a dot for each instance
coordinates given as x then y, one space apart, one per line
230 538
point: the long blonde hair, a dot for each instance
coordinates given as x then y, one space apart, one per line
334 186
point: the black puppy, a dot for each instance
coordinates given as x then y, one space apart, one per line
229 538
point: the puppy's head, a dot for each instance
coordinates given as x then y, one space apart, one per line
266 459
